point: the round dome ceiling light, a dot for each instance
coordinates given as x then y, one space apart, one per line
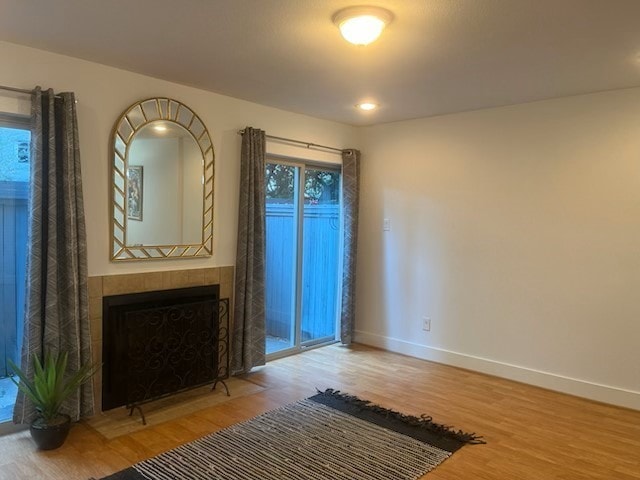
367 106
362 25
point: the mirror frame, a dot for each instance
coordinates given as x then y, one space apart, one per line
129 123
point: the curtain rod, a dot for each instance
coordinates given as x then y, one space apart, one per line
20 90
299 142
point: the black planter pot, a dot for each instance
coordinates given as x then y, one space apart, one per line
50 436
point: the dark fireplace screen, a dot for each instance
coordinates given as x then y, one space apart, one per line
159 343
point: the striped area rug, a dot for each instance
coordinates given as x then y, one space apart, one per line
329 436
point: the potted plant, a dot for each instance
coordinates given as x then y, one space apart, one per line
48 390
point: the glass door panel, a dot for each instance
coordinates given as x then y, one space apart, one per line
281 256
321 253
14 193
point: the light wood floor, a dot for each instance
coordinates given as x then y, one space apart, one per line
531 433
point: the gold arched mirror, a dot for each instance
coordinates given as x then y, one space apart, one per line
162 183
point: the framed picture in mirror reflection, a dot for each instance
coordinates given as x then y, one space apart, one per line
134 192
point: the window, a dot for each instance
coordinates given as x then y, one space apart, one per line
15 138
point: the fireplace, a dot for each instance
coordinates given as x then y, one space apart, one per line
158 343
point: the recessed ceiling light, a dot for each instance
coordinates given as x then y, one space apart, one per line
160 128
367 106
362 25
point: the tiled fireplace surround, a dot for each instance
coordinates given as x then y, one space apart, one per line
102 286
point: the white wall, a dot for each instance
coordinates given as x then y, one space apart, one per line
192 198
103 93
517 230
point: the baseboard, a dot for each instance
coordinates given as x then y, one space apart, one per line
7 428
560 383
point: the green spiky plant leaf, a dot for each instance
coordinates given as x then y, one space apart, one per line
51 385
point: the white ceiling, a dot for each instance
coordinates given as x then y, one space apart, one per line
436 57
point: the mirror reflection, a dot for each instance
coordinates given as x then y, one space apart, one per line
164 203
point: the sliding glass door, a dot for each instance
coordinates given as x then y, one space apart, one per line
303 255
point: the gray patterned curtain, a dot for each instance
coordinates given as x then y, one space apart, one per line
249 312
350 196
57 317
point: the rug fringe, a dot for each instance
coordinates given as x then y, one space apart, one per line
424 421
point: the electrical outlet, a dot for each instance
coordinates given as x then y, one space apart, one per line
386 225
426 324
